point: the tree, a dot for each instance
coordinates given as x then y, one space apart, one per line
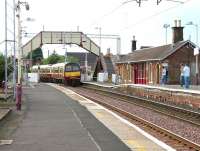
37 55
2 67
72 59
55 58
45 61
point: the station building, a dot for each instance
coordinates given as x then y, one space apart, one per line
144 66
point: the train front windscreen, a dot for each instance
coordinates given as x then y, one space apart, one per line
72 67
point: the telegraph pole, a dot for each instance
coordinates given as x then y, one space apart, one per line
14 53
19 43
6 47
18 9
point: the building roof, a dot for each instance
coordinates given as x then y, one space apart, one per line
91 58
109 65
153 54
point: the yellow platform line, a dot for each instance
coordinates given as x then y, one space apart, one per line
136 145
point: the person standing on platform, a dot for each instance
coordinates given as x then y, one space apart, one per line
164 75
181 75
186 73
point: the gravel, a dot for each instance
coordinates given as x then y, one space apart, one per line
184 129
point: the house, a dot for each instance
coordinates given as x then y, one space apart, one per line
144 66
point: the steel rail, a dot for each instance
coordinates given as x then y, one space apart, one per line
166 133
153 104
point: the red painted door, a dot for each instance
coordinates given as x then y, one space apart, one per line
136 74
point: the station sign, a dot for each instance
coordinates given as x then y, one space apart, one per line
196 51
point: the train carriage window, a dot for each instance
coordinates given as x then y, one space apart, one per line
61 69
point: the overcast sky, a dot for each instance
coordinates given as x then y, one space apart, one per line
145 22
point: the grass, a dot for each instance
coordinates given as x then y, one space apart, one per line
10 124
6 103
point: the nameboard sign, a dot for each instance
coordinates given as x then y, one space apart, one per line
196 51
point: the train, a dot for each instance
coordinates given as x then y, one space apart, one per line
66 73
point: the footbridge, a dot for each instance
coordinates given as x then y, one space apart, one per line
56 37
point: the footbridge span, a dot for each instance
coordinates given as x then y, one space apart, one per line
56 37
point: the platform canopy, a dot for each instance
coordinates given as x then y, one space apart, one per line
56 37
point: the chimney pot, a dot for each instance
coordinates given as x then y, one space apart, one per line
179 23
108 51
133 48
175 23
177 31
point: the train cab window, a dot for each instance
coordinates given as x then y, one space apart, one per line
75 68
68 68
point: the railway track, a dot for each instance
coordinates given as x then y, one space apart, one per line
178 142
189 116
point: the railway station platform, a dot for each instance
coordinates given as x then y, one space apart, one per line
192 89
172 94
57 119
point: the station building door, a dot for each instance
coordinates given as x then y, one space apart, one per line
140 73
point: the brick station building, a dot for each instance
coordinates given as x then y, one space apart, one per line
144 66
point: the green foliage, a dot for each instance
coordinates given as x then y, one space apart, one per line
52 59
55 58
36 55
2 66
72 59
45 61
61 59
2 63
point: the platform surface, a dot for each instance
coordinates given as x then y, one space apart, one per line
135 138
55 122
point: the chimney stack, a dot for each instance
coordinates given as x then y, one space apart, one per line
177 31
108 52
133 48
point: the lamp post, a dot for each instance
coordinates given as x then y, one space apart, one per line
18 10
166 26
196 50
196 28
